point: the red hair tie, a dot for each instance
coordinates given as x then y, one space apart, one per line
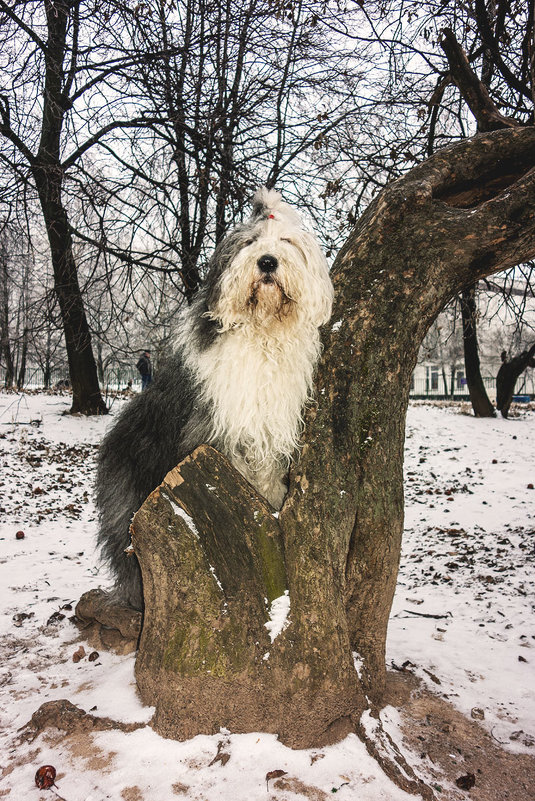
271 217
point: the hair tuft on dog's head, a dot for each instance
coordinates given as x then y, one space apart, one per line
268 203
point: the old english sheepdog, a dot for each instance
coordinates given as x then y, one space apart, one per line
239 378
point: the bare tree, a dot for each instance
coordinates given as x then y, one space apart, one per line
15 300
61 96
5 341
487 49
507 377
240 94
154 135
481 404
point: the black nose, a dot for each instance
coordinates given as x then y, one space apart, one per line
267 263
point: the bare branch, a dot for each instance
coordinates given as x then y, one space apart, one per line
472 89
22 25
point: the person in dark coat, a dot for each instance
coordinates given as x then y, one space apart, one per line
144 366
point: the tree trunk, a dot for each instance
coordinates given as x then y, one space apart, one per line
86 397
5 349
100 363
47 172
444 381
24 352
508 375
478 394
466 212
47 372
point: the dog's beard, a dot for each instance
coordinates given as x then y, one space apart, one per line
268 298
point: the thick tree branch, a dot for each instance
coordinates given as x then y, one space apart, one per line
471 88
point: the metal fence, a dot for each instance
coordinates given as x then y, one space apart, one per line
434 386
117 379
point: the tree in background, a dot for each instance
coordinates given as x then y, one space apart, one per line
481 404
508 375
240 95
63 94
159 120
19 301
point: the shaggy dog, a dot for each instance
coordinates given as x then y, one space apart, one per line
239 378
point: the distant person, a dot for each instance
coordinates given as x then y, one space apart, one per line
63 383
144 366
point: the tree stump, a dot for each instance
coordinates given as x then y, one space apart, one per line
211 555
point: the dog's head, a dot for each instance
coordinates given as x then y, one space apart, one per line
269 271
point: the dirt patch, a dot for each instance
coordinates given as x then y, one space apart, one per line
453 754
294 785
132 794
180 789
16 762
82 746
67 717
61 723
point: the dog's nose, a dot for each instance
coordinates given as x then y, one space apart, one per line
267 263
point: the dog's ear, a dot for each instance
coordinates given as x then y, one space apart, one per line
223 255
320 288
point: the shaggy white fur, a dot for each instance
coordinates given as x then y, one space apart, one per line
256 376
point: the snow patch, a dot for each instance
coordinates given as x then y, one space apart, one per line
278 615
181 513
212 571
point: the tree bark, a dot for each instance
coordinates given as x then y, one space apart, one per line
207 525
465 213
508 375
478 394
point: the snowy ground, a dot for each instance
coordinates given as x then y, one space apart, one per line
463 617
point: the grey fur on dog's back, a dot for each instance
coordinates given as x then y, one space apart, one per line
134 457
